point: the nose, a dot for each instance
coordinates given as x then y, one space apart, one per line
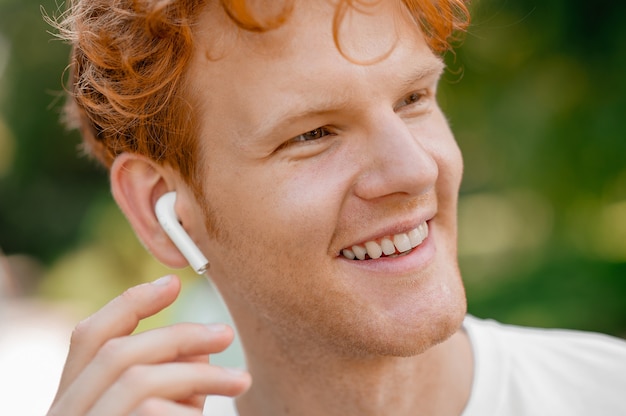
394 161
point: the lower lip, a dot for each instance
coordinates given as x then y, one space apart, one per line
418 259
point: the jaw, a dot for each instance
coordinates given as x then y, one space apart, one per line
351 310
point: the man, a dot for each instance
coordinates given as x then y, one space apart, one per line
315 170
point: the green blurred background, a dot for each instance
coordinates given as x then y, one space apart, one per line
536 96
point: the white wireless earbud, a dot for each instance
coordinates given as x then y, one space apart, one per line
168 219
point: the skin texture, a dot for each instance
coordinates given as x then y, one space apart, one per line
286 208
165 371
311 150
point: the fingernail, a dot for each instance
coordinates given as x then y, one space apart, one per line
163 280
216 327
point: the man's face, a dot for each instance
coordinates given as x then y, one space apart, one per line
311 156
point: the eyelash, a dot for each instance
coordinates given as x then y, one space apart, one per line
310 136
412 99
314 134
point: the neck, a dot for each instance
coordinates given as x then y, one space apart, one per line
436 382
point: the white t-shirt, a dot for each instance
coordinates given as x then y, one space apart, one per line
535 372
532 372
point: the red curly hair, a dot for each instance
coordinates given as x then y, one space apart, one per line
129 58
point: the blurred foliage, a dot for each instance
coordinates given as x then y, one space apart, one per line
45 190
537 99
536 96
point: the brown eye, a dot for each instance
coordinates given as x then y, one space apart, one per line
414 98
315 134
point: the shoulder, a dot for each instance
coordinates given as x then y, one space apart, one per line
531 371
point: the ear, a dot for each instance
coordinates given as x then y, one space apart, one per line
137 183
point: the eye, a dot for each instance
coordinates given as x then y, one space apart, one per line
315 134
310 137
416 99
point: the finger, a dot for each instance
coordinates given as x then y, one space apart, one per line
156 406
151 347
195 401
194 359
172 381
117 318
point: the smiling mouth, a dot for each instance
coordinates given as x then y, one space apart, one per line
391 246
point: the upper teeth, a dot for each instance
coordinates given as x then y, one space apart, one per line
396 244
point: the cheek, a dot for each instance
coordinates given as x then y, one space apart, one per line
272 257
305 204
450 161
276 213
445 151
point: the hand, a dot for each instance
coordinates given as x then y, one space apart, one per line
164 371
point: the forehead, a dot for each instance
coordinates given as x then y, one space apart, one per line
254 74
362 30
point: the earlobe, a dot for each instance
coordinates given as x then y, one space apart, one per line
136 185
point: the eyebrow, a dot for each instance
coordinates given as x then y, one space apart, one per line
432 68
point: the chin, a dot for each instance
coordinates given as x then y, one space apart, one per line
406 335
436 330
